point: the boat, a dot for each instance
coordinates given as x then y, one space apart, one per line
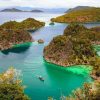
41 78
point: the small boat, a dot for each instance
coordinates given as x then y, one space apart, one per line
41 78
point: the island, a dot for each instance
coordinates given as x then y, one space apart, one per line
74 47
18 10
27 24
86 15
11 10
9 38
38 11
40 41
12 33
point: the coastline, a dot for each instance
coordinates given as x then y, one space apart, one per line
87 68
15 45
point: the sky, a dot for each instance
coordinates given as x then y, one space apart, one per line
49 3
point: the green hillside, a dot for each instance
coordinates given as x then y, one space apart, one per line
81 16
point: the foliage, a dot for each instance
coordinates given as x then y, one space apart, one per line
10 86
27 24
10 37
74 29
81 15
74 47
90 91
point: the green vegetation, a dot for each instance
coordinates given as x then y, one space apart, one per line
10 86
8 38
28 24
91 14
13 32
90 91
75 47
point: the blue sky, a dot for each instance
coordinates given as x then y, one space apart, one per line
49 3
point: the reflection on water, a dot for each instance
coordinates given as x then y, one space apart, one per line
20 48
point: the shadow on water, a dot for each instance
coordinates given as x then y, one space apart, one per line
83 70
20 48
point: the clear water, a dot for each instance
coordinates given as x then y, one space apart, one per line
29 60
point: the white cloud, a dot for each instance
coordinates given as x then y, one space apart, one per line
49 3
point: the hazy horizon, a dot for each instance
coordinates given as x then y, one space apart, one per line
48 3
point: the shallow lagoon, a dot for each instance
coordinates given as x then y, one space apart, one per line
32 65
29 60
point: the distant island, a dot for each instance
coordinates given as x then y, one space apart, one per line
80 15
36 10
78 8
18 10
11 10
74 47
13 32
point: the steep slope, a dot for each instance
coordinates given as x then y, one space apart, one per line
8 38
81 16
27 24
72 48
78 8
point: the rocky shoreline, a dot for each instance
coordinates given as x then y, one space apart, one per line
10 38
74 47
13 32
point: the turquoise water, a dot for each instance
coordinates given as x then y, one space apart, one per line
97 48
29 59
31 63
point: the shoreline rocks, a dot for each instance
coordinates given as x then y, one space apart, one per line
40 41
9 38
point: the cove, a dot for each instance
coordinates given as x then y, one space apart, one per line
31 63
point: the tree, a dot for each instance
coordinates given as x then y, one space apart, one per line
10 86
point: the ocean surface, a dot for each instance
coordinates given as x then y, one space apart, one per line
29 60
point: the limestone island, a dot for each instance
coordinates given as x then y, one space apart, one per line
80 15
8 38
74 47
27 24
13 32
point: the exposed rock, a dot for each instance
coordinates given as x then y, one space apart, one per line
8 38
40 41
72 48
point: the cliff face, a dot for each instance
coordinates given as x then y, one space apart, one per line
72 48
81 16
8 38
